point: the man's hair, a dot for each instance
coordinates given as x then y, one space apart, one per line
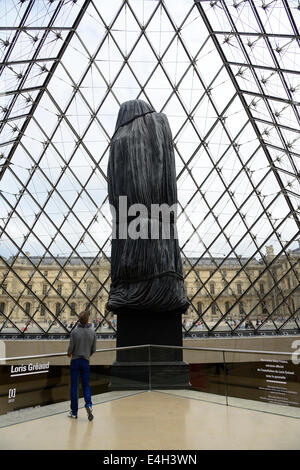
84 317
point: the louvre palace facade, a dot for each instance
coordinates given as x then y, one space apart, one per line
224 294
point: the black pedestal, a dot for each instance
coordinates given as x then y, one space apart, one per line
149 368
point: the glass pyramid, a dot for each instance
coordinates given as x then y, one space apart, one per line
227 75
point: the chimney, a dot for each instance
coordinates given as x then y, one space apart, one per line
270 252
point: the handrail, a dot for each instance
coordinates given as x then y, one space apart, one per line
121 348
65 353
253 351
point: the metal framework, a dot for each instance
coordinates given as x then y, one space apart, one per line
227 76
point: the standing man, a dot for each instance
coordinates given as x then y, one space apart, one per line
82 345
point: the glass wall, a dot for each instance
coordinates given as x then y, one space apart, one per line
258 380
226 74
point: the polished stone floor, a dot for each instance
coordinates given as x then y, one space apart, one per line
151 420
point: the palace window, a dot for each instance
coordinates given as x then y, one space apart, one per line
73 309
261 288
57 309
264 308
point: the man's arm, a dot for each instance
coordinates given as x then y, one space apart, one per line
94 344
71 345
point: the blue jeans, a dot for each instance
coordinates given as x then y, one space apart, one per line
80 366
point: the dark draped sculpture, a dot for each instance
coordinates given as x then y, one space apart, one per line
146 269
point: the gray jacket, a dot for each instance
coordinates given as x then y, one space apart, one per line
82 342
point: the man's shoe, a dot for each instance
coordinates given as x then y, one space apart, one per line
89 413
70 415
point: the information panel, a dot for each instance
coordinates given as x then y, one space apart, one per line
280 383
269 380
39 383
